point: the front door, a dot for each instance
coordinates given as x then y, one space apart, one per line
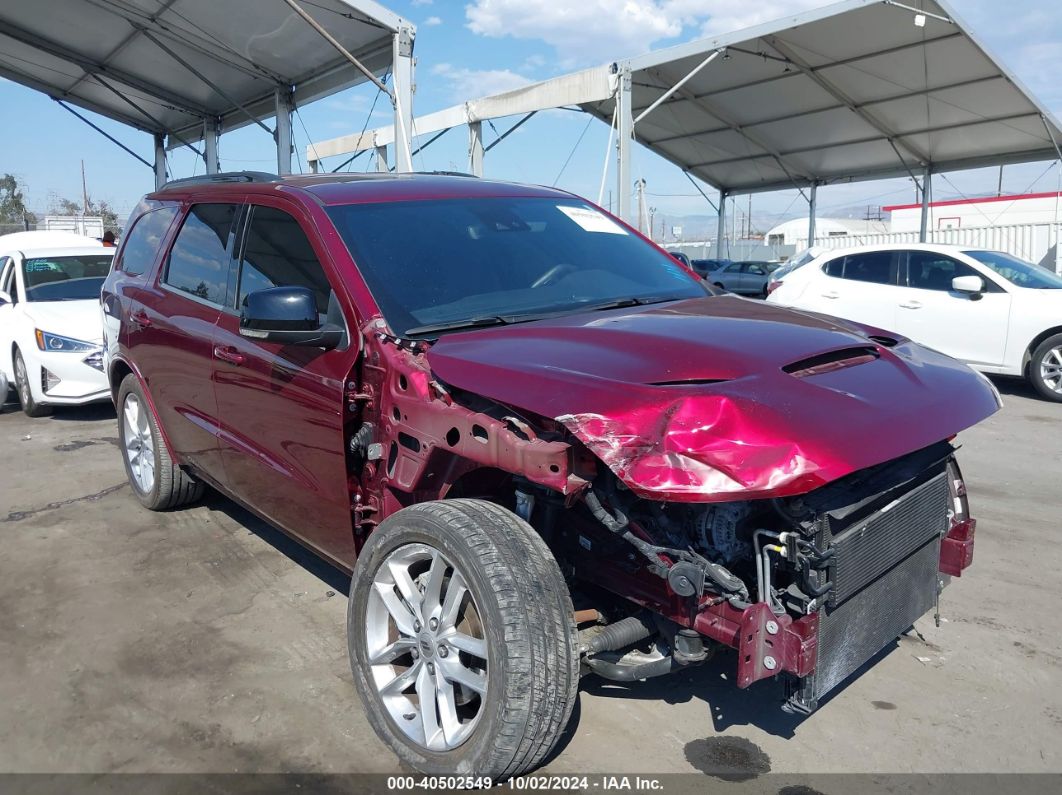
281 406
860 287
971 328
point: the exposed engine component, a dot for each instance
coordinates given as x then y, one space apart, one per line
716 531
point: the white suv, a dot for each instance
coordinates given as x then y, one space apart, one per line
994 311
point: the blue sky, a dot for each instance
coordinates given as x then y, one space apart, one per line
472 48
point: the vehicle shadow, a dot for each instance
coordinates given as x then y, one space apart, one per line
92 412
759 705
336 579
1016 387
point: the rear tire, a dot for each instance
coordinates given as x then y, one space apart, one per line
1045 368
25 395
157 482
521 619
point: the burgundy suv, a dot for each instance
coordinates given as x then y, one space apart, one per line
488 400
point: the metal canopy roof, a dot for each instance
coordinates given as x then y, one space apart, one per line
164 66
856 90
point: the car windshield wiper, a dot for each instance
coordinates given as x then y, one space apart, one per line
621 303
456 325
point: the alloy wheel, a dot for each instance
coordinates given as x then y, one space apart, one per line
427 647
22 380
139 446
1051 369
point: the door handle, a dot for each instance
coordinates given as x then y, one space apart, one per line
140 318
229 354
831 294
911 305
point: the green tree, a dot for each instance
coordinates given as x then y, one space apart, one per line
101 207
13 202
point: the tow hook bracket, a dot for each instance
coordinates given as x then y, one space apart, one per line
769 644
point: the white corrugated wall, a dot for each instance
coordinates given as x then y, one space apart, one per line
1033 242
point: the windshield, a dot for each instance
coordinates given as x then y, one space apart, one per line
479 261
66 278
1017 271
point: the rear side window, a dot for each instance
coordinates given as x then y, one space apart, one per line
876 267
929 271
143 241
199 259
277 253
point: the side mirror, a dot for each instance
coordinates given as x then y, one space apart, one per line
287 315
968 284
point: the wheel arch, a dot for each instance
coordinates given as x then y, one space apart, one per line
1032 346
121 368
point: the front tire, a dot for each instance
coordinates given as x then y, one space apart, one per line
1045 368
157 482
460 607
25 395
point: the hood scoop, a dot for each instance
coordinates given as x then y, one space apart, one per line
830 361
688 382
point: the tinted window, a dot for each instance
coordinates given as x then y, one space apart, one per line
511 258
68 278
929 271
835 268
199 260
277 253
142 243
1018 271
874 266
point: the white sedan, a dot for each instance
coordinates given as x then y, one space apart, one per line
996 312
50 330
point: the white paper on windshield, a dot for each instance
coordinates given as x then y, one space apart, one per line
592 220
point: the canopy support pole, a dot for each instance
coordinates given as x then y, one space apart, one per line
720 235
282 134
381 158
813 201
160 160
402 84
103 132
210 144
927 189
475 148
624 140
671 91
508 132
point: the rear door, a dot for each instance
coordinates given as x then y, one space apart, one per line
170 332
7 316
281 406
861 287
971 328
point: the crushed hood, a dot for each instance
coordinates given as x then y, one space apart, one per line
722 398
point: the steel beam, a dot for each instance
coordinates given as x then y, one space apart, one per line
381 159
402 86
160 161
813 206
927 196
283 130
211 127
475 148
624 142
720 235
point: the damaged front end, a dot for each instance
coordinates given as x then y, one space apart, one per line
803 510
810 586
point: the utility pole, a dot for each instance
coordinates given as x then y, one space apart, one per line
84 199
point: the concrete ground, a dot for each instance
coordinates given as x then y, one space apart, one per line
202 641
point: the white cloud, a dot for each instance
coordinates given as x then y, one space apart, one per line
432 22
471 83
600 30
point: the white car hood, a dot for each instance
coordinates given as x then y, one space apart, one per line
79 320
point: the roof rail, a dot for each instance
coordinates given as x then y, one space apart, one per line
224 176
